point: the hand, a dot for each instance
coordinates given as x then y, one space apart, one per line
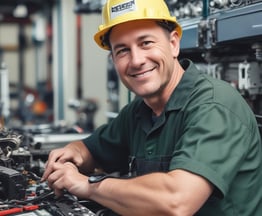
65 176
70 153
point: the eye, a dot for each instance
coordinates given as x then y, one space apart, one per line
147 43
122 51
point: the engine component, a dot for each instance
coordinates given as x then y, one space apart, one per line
12 184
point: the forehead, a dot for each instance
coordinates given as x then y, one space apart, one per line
135 25
136 31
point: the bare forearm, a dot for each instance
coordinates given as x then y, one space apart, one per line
152 194
175 193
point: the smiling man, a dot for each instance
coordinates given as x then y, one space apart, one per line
187 145
146 59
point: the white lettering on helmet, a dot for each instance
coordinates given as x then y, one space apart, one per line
123 8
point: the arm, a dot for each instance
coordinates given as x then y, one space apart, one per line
175 193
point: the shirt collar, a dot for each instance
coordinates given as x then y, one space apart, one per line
184 87
181 93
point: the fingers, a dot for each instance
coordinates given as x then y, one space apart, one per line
66 177
55 178
47 172
62 156
58 192
60 179
54 156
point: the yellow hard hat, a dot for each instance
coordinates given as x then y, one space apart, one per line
120 11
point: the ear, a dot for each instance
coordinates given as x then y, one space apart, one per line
175 43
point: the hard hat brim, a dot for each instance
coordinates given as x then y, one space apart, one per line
98 37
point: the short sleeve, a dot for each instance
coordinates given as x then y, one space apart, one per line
213 145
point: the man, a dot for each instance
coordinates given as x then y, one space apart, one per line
187 145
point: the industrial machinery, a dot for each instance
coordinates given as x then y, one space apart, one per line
225 40
21 190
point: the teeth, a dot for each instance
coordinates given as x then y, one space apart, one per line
142 74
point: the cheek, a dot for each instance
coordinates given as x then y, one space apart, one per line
165 58
120 66
162 57
162 51
119 69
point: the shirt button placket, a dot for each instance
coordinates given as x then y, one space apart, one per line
150 148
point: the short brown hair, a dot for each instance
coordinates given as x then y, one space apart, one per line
167 25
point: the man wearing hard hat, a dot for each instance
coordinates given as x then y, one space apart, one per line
187 145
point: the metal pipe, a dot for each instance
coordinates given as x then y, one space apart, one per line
205 12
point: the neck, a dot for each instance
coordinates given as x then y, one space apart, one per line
158 102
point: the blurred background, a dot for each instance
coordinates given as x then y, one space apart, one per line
53 73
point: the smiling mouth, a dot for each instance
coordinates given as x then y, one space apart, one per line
142 74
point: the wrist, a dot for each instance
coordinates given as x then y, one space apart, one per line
98 177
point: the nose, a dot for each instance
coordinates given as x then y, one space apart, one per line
137 57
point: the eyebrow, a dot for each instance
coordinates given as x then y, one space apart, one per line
118 46
141 38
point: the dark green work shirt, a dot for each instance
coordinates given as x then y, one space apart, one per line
207 128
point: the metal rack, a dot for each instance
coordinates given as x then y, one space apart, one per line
225 41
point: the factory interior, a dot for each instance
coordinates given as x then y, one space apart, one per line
57 85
